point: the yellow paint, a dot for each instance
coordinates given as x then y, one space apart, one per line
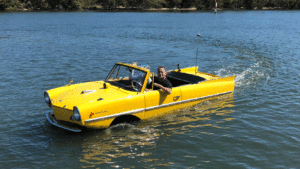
99 106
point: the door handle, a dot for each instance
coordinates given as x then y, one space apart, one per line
176 98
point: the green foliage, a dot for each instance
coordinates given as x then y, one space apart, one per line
112 4
260 3
173 3
188 3
75 4
249 4
209 4
204 4
10 5
3 5
145 4
54 3
287 4
199 4
227 3
36 4
154 3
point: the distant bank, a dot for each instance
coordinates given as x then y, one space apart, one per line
145 5
121 9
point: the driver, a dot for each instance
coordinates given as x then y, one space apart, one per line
163 83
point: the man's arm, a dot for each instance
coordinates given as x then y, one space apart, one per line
165 89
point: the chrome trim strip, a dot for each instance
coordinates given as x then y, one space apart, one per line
184 101
54 123
163 105
115 115
152 108
199 98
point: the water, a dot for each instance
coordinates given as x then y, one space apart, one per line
255 127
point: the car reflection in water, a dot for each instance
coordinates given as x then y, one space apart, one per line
141 141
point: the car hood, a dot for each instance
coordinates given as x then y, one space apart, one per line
87 92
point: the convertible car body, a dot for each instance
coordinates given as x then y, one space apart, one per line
128 93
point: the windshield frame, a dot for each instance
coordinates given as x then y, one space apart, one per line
126 66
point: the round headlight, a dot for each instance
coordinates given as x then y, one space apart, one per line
47 99
76 114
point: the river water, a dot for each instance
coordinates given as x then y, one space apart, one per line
255 127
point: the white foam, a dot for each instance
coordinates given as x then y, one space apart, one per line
247 78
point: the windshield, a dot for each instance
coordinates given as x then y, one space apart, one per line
126 77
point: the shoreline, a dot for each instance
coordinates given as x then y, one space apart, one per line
123 9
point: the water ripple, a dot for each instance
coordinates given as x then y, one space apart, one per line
247 129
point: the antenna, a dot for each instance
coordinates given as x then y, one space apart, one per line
197 51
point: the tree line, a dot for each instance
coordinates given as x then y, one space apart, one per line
145 4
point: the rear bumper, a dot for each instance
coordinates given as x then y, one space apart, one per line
51 118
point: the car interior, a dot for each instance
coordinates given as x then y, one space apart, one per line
176 78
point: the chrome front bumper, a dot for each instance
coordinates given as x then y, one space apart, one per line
51 118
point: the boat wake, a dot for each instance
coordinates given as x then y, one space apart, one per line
251 76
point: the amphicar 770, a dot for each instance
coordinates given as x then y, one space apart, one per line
122 98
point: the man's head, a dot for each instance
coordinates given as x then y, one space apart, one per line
161 72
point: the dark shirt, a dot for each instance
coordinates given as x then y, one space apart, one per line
165 83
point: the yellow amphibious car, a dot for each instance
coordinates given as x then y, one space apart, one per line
128 94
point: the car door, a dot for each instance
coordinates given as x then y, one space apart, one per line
158 102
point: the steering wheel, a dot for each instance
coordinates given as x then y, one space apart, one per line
135 85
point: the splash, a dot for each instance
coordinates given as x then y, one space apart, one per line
247 76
